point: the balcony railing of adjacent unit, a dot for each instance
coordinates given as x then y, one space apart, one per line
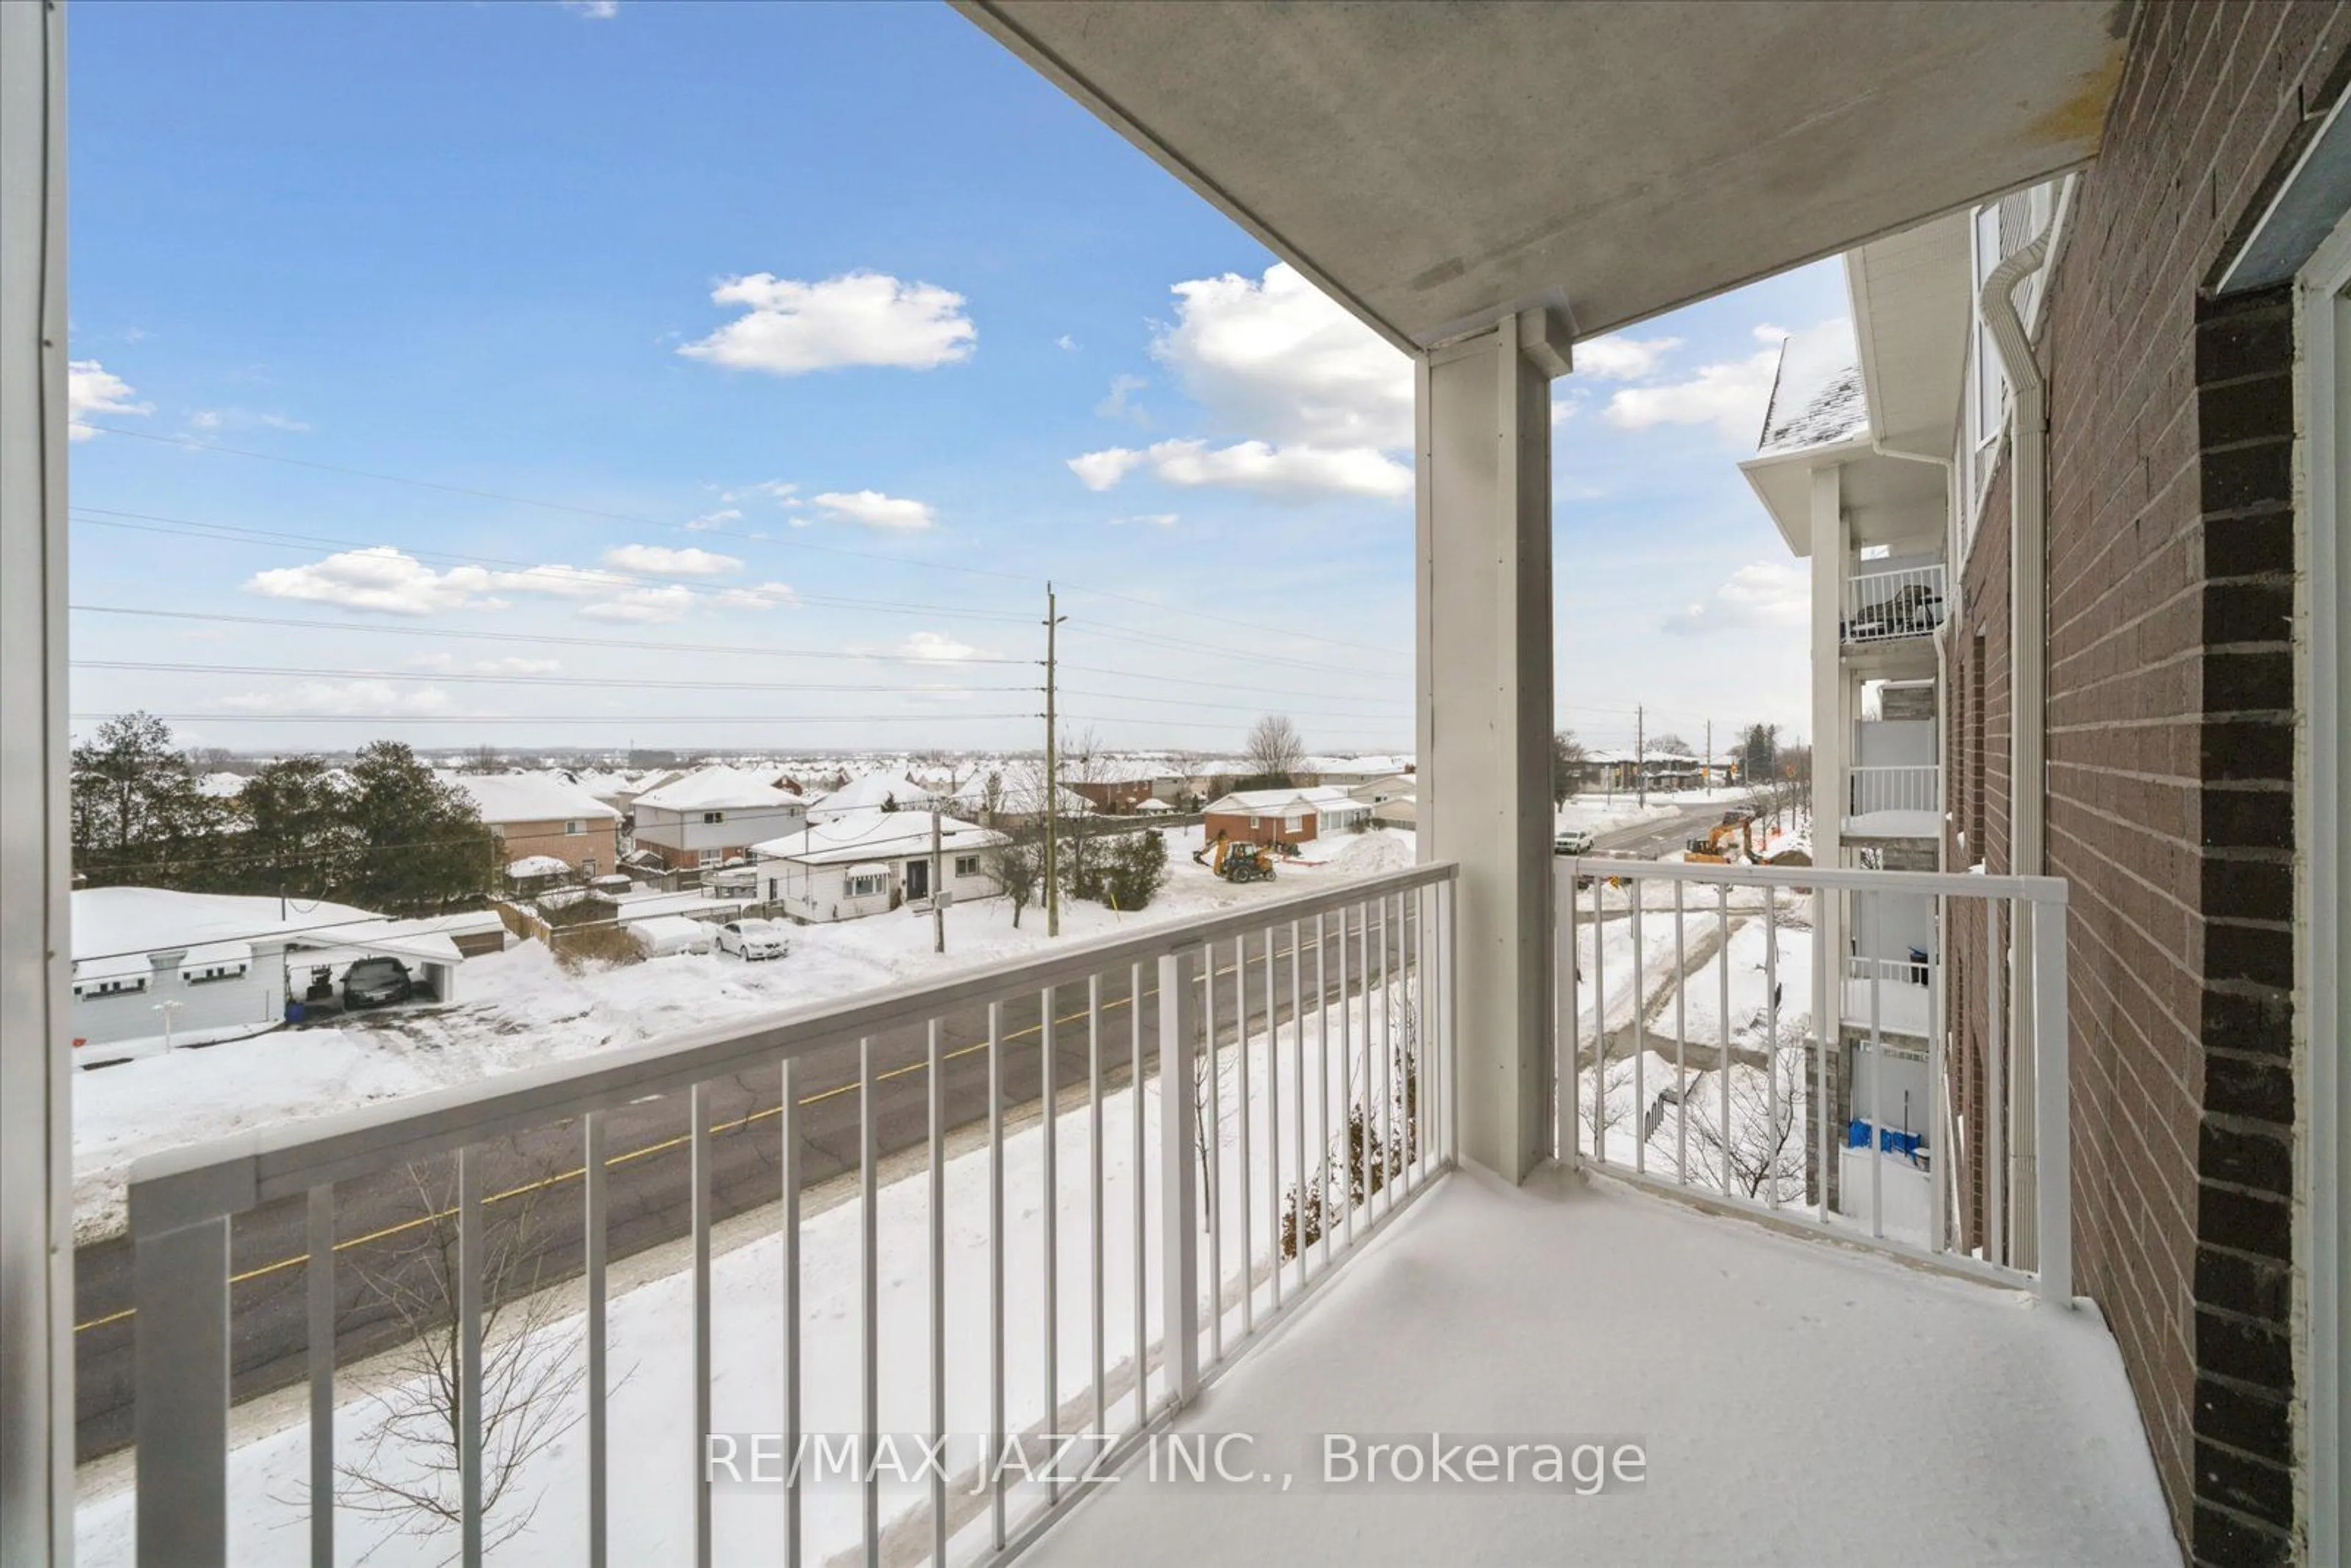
1312 1040
1689 1061
1907 787
1880 606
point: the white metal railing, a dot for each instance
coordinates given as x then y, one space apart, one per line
1313 1037
1883 605
1911 787
1689 1060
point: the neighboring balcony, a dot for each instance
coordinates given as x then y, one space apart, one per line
1890 606
1894 802
981 1231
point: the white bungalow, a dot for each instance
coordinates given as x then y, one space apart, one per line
869 862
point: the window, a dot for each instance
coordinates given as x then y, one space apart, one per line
709 857
212 972
869 884
711 817
966 865
573 829
1293 824
121 986
498 831
1253 824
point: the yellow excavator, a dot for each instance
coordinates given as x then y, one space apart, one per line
1732 840
1236 860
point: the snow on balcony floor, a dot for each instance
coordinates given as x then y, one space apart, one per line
1798 1403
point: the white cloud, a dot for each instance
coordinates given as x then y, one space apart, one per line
1767 593
1728 395
660 560
780 491
378 579
717 519
1155 519
1120 403
1066 343
211 421
936 647
92 389
1617 358
790 328
647 605
1101 470
760 596
1276 358
557 582
449 664
1287 473
875 510
594 10
372 697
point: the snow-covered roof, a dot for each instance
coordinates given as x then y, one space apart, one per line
537 865
866 834
718 787
871 792
221 785
531 798
110 921
1816 397
1012 797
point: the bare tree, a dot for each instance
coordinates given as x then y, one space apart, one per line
1274 745
406 1466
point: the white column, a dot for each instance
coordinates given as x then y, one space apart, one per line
36 1400
1485 713
1832 741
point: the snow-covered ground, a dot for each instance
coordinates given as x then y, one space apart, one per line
522 1007
650 1339
1600 813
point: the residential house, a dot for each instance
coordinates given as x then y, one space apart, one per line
713 815
865 863
876 791
1289 816
205 967
546 816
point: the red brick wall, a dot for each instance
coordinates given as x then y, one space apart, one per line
2169 745
1269 830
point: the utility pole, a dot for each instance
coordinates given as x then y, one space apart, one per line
1706 779
1052 780
938 889
1640 753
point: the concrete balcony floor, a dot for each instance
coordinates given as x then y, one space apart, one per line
1798 1402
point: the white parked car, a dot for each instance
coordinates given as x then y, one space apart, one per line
1571 841
750 940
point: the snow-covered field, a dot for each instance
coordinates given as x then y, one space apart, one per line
1600 813
523 1007
650 1339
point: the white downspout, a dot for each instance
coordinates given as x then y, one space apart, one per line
2028 620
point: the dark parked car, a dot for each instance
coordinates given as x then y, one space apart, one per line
375 983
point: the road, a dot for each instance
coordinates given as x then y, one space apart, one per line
1660 836
386 1235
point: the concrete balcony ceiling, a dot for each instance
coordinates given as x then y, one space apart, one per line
1431 165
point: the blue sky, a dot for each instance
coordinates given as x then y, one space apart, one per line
793 347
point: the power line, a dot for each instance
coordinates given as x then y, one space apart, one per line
187 443
542 638
1184 645
526 679
620 576
727 719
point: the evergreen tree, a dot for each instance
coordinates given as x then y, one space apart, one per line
419 843
298 839
138 816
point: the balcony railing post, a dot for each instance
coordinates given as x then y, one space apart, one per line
1179 1218
2052 1107
179 1359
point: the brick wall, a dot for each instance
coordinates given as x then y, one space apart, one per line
1977 738
2171 746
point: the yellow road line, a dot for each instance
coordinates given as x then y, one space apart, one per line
577 1171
